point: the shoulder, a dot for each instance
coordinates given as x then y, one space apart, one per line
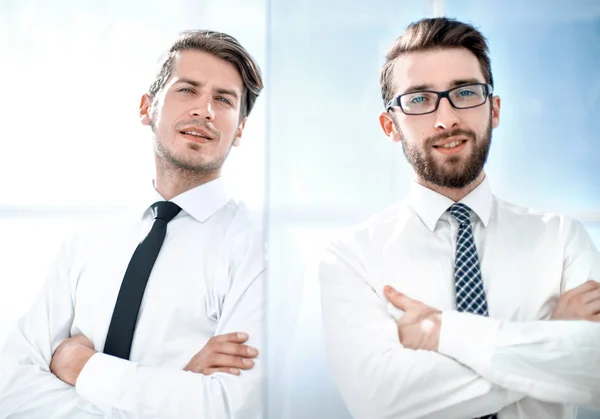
553 220
358 239
103 224
562 229
243 241
244 224
91 232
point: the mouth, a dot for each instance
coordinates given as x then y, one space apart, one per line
450 146
196 135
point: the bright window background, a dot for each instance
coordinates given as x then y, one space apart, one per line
330 165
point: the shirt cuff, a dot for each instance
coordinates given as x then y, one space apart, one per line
104 380
468 338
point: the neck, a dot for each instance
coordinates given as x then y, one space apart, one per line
171 181
455 194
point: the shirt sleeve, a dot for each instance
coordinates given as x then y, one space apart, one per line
376 376
581 257
554 361
27 387
170 393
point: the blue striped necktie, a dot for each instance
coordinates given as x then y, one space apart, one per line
470 295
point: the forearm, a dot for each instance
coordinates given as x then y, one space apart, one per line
554 361
392 382
168 393
28 389
171 393
376 376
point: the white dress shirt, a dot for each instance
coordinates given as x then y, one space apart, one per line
515 362
208 279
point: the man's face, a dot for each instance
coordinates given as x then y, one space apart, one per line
195 116
448 147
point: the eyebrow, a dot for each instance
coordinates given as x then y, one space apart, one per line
453 83
219 90
188 81
228 92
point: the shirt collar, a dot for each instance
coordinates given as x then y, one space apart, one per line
430 205
200 202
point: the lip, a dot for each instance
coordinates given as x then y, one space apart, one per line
200 130
450 140
451 151
195 139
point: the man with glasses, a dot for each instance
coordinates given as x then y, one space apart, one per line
455 303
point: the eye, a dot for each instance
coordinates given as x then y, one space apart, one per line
418 99
466 93
186 90
224 100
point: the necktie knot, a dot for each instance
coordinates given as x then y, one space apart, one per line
461 212
165 210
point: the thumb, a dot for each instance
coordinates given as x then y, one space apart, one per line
398 299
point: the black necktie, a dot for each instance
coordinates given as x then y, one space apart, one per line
124 318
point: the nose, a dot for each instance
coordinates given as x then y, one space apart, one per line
446 116
203 108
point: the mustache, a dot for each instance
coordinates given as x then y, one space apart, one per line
197 123
455 132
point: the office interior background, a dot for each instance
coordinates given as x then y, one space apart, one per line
313 156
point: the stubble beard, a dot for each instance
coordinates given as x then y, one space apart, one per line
189 167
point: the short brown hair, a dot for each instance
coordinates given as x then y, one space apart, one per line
435 33
221 46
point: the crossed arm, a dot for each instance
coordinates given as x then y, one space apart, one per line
432 364
551 361
44 372
376 376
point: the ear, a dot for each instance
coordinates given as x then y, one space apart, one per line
238 133
387 124
495 111
145 109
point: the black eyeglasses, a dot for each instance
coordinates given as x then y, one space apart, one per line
427 101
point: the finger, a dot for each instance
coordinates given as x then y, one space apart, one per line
238 337
583 288
594 307
209 371
230 361
398 299
230 348
594 284
591 296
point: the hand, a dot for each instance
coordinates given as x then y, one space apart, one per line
581 303
419 327
70 357
223 353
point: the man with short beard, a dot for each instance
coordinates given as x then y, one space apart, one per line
455 303
158 314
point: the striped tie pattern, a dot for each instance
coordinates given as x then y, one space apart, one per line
470 295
